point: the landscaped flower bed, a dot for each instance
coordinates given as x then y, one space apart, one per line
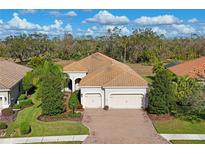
64 116
8 114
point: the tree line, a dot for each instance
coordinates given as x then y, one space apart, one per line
142 46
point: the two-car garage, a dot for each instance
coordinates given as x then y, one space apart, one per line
113 100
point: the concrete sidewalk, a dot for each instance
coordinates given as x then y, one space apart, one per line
43 139
183 136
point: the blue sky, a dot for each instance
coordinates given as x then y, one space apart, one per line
171 23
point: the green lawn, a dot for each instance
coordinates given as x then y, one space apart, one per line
177 126
40 128
188 141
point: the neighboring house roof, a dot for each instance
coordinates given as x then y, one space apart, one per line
192 68
105 71
11 73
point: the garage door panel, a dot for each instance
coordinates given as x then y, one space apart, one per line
126 101
92 100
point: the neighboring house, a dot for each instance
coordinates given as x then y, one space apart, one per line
192 68
105 81
11 75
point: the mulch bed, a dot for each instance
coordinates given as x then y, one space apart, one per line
9 118
63 116
161 117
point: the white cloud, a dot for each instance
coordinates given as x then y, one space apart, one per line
157 20
90 31
17 23
55 13
193 20
184 29
103 30
123 30
71 14
28 11
68 28
159 31
55 26
106 18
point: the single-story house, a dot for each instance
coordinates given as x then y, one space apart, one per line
11 75
103 81
192 68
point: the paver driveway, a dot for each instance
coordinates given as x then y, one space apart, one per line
120 126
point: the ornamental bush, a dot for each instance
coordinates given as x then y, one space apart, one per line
25 128
74 115
73 102
22 96
24 103
162 92
3 125
52 96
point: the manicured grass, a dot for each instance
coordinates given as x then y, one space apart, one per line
188 141
177 126
142 69
39 128
62 142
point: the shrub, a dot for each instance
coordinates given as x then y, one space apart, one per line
22 96
106 107
7 112
73 102
74 115
3 125
25 128
162 92
24 103
52 96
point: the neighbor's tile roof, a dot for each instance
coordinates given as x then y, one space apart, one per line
105 71
193 68
11 73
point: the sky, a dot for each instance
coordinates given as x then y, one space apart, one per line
170 23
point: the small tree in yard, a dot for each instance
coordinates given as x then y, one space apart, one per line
51 96
162 92
73 102
28 82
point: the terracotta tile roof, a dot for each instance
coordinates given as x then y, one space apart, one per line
105 71
11 73
193 68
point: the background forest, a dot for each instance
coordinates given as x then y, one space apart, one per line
143 46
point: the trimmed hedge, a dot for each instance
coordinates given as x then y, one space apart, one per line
7 112
74 115
25 128
23 104
3 125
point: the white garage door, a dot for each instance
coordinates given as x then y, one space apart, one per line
92 101
126 101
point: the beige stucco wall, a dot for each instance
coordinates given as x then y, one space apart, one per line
10 95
